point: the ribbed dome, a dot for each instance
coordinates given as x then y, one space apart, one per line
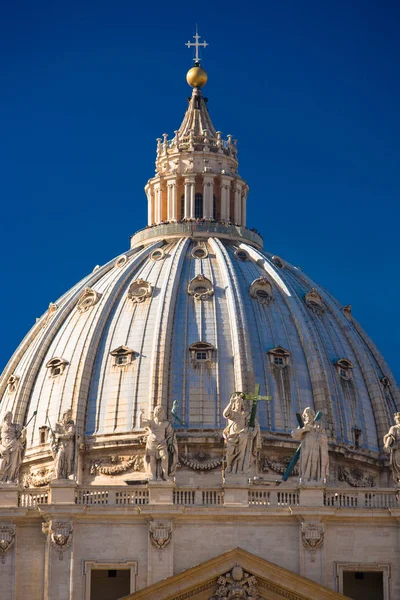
196 320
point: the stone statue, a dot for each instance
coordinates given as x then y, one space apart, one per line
242 441
63 446
161 445
391 443
12 447
314 457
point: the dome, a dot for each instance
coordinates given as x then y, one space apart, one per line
193 311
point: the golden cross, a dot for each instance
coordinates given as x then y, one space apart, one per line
255 398
197 45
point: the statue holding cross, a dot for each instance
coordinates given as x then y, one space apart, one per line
242 433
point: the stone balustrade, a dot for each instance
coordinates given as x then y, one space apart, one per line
257 497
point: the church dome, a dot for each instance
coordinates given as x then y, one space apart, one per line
193 311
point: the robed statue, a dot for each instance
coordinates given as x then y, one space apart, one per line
242 438
63 446
161 445
391 443
314 456
12 448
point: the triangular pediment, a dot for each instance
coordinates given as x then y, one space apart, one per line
254 577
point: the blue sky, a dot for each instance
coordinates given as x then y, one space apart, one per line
310 89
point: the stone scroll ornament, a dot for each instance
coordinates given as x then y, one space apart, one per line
391 444
242 433
62 446
60 533
7 540
313 449
12 448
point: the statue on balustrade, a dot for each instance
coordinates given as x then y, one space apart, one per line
391 443
161 445
63 446
314 456
12 448
243 441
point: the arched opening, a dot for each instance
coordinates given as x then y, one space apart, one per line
198 206
182 206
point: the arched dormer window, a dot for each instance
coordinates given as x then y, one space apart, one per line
201 353
56 366
198 206
344 368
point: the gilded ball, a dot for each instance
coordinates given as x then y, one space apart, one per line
196 77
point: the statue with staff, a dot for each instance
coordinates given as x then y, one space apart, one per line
313 450
242 433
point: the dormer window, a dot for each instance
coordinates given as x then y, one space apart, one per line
201 353
279 357
201 288
12 383
261 290
123 356
314 301
140 290
56 366
344 368
87 299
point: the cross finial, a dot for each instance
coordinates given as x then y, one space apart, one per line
197 45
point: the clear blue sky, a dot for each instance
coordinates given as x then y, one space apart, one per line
310 89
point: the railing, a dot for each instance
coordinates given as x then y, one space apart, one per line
112 496
190 228
33 497
191 497
271 497
370 498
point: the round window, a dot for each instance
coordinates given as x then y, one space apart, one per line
199 252
157 254
242 254
263 294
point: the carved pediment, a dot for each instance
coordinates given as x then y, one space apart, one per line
238 574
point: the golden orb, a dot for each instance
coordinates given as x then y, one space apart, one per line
196 77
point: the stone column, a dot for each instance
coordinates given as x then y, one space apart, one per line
208 192
238 203
150 207
225 198
171 200
157 202
189 198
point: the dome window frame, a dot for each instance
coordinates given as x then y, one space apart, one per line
139 291
56 367
201 353
278 262
344 368
157 254
279 357
121 261
199 249
314 301
262 291
123 356
87 299
12 383
242 254
201 288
